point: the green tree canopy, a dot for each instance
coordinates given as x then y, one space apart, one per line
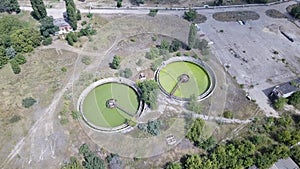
47 27
149 94
192 35
9 6
25 40
39 9
116 62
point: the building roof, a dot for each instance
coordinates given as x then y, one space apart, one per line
288 87
60 22
287 163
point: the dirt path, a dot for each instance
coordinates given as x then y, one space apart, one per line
43 127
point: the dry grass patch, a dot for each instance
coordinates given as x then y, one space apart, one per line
232 16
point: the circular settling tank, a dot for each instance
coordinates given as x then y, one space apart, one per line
183 78
107 105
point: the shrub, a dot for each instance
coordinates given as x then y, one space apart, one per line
47 41
15 66
86 60
89 15
190 15
153 12
139 62
20 59
83 23
154 53
294 99
149 89
296 11
279 103
228 114
28 102
178 54
119 3
14 119
175 45
127 73
116 62
154 65
63 69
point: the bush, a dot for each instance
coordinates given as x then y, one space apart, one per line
190 15
154 65
228 114
28 102
296 11
175 45
72 38
83 23
294 99
115 64
20 59
127 73
152 127
153 12
15 66
154 53
89 15
279 103
63 69
14 119
86 60
47 41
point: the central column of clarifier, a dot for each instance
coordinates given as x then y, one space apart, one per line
183 78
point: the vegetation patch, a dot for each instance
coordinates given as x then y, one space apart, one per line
232 16
273 13
28 102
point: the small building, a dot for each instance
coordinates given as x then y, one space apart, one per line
287 163
286 89
64 27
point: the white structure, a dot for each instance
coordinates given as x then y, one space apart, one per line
64 27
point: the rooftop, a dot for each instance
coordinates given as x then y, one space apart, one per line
60 22
287 163
288 87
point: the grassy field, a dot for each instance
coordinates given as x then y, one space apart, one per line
96 112
198 83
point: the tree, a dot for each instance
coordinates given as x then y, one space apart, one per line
194 162
10 52
119 3
190 15
15 67
9 6
28 102
295 99
175 165
25 40
72 38
195 131
3 58
47 27
72 13
175 45
73 164
153 127
149 89
39 9
20 59
115 64
78 15
164 44
295 11
192 35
